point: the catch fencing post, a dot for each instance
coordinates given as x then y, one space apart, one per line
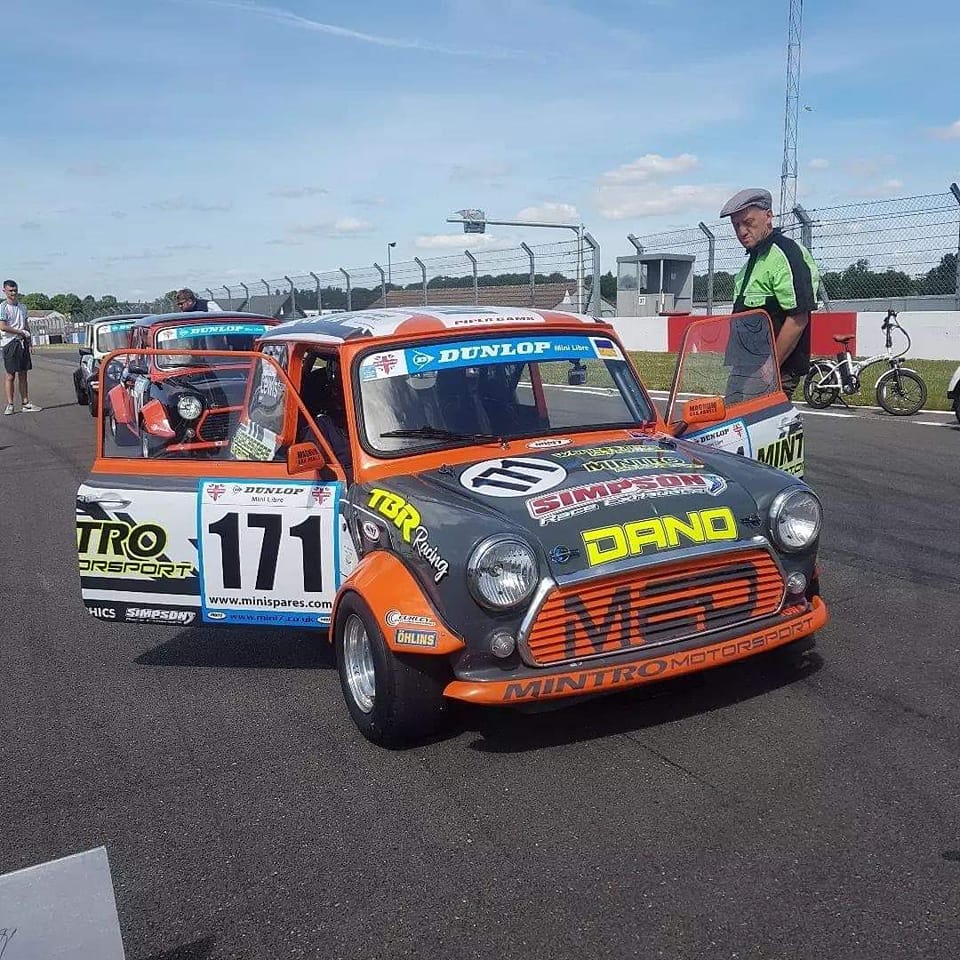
246 296
317 279
476 289
227 289
638 246
293 296
423 274
383 282
580 268
533 274
711 251
595 303
209 293
266 286
349 294
955 190
806 238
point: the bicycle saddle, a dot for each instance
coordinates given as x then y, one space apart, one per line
845 339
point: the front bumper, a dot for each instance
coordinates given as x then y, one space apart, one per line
642 667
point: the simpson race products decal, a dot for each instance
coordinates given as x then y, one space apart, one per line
124 548
785 454
606 544
415 638
153 615
395 618
212 330
573 501
268 551
548 443
611 450
512 476
732 436
406 518
640 463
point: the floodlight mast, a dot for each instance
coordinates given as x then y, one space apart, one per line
577 228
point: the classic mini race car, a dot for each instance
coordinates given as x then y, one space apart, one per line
481 504
181 402
102 336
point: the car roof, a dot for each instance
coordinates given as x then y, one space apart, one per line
219 316
380 324
114 317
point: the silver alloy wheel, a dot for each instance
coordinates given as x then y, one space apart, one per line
358 664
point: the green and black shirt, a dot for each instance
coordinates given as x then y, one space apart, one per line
781 278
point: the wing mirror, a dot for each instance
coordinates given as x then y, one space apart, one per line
86 351
698 411
304 457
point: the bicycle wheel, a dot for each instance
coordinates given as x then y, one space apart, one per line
815 395
901 399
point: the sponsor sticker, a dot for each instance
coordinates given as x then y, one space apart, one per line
610 450
785 454
731 436
120 547
377 366
394 618
605 349
415 638
254 442
211 330
155 615
625 464
548 443
512 477
587 497
471 353
406 518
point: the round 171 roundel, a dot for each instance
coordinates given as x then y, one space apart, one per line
512 477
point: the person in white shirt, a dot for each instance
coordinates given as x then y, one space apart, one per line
15 344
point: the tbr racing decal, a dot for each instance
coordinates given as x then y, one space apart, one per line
731 436
573 501
606 544
268 551
211 330
512 476
406 518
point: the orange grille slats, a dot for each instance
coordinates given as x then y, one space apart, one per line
647 607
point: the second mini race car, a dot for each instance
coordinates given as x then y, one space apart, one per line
103 335
180 403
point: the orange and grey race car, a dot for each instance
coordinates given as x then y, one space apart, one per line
476 504
174 403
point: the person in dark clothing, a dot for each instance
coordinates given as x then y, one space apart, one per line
780 276
187 302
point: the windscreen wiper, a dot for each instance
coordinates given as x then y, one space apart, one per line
438 433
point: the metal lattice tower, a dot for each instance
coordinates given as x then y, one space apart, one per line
788 173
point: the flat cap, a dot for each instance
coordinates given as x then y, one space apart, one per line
751 197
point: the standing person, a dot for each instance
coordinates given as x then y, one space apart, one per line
779 276
15 343
187 302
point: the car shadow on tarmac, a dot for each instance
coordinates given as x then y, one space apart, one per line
198 950
242 648
502 731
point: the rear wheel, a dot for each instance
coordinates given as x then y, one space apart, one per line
815 395
901 393
78 387
92 403
956 406
395 701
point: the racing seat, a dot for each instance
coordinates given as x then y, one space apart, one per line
458 395
323 398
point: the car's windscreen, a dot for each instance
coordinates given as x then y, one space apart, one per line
113 336
457 391
206 336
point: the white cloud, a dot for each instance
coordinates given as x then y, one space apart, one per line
655 200
294 193
341 227
550 212
949 132
651 166
819 163
881 189
182 204
292 19
482 172
459 241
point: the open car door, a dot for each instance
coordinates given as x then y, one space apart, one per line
727 379
246 532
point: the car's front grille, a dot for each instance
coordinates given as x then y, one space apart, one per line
214 425
656 605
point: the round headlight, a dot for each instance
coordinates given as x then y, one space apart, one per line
795 517
188 406
502 572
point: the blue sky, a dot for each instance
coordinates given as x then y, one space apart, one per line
152 144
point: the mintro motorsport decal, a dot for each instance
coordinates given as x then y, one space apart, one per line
785 454
573 501
472 353
606 544
211 330
512 477
732 436
626 464
268 551
406 518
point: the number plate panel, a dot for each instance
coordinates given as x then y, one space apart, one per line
269 551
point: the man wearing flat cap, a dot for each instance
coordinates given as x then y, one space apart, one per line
779 277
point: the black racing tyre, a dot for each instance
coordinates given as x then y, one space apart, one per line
901 399
122 435
395 701
78 388
92 403
815 396
956 406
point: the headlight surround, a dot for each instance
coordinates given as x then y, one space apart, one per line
795 519
502 572
189 406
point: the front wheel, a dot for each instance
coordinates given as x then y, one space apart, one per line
956 407
394 701
815 395
901 392
78 388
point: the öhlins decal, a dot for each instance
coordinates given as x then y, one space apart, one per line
606 544
118 547
406 518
